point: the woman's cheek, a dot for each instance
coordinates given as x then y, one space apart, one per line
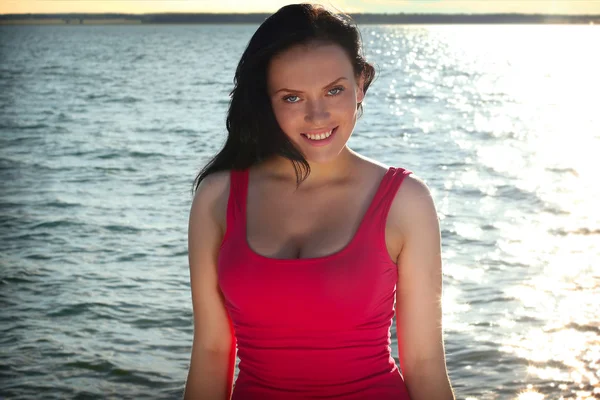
283 115
350 106
287 115
349 100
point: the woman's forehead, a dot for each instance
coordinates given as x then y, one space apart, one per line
310 65
310 52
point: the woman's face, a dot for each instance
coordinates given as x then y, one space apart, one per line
314 94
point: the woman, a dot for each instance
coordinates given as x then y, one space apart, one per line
299 247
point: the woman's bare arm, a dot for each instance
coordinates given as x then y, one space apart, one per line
418 296
212 361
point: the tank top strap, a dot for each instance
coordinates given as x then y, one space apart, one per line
380 206
236 203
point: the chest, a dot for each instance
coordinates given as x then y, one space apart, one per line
293 225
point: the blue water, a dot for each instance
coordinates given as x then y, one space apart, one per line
103 128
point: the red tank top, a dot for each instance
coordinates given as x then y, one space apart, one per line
313 328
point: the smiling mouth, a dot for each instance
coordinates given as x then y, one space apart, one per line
319 136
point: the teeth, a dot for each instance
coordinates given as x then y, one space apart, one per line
319 136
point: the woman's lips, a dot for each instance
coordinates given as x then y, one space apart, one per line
321 142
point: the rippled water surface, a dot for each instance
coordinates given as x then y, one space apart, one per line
102 129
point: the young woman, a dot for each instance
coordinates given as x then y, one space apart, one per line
301 249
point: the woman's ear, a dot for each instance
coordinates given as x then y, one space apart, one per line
360 93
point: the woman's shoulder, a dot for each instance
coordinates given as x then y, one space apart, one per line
413 188
213 185
377 168
413 204
211 196
412 184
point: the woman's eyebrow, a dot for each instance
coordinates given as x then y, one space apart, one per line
300 91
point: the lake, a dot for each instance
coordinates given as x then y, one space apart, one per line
103 128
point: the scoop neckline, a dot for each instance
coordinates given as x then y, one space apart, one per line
342 251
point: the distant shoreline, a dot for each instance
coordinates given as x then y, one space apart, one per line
257 18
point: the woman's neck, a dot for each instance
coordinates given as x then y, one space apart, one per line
321 174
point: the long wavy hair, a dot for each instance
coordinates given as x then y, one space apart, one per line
253 132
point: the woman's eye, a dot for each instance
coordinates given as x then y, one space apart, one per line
332 92
336 90
290 99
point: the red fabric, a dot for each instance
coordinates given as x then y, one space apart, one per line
316 328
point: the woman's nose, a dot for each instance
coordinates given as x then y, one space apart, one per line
316 111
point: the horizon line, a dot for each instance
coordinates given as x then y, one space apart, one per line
269 13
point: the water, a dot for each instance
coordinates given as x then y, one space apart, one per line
103 129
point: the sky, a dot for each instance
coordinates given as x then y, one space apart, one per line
269 6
